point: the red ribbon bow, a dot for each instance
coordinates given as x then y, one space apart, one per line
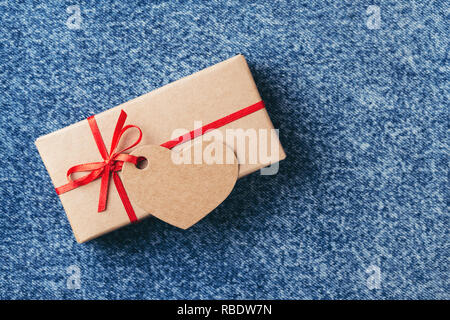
111 164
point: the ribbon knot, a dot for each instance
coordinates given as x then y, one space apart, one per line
112 163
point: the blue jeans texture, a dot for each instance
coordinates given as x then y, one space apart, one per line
358 209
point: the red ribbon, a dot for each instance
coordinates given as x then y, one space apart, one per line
113 161
111 164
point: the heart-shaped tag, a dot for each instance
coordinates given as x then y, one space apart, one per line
181 194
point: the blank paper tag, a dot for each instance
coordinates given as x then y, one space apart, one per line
181 194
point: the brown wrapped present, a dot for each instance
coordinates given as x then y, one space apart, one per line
205 96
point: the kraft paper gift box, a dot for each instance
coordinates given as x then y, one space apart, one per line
205 96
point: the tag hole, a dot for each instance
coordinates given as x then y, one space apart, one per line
142 163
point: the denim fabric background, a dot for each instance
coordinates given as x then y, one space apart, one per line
362 110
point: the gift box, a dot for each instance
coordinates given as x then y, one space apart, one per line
217 95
